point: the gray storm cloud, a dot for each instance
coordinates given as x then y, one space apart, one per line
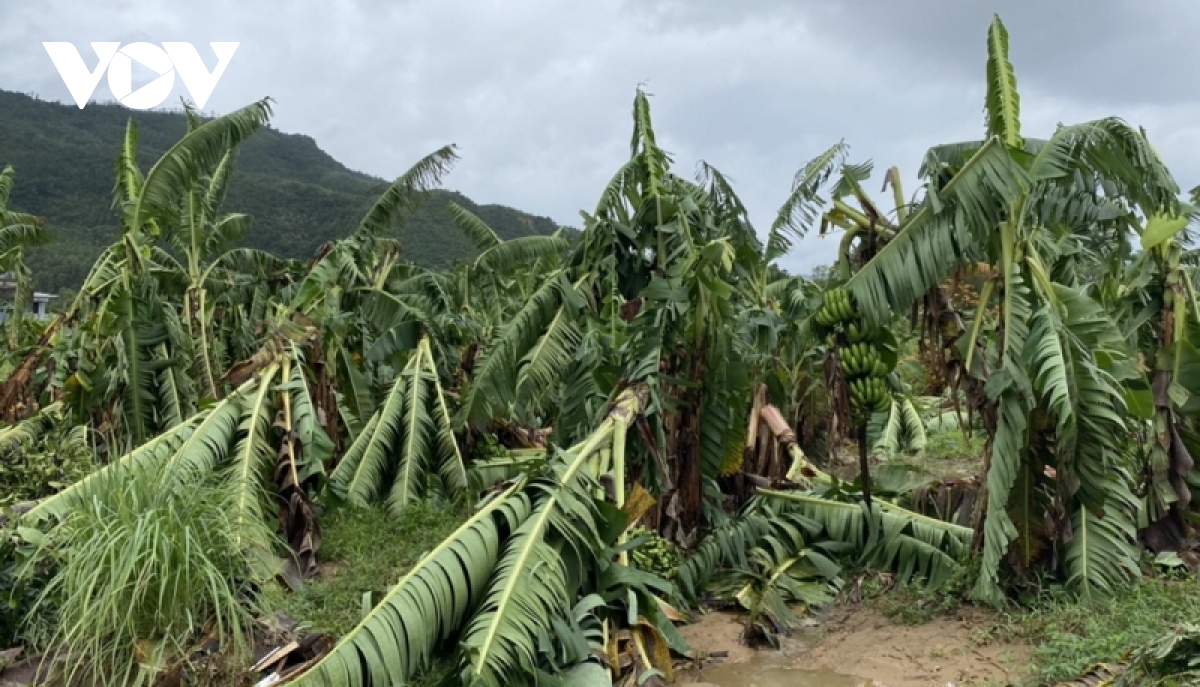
537 93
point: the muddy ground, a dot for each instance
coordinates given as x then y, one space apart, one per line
855 645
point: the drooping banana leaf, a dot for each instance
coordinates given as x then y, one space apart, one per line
427 606
914 546
407 437
182 452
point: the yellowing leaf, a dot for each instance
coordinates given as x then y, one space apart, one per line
1160 229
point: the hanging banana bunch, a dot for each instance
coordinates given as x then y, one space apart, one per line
860 353
835 309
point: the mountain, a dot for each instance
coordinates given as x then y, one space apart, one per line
297 195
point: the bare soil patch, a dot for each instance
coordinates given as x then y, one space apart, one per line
859 642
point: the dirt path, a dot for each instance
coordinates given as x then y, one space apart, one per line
857 641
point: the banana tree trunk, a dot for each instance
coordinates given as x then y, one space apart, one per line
680 511
1168 531
196 307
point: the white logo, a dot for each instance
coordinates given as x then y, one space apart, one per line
164 61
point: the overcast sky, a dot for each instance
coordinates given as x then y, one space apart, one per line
537 93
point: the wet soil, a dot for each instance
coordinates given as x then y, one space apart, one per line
856 646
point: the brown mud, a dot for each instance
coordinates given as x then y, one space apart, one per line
856 646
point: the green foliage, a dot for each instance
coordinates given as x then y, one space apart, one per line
23 576
774 581
953 444
884 536
39 463
406 441
142 570
1172 659
899 429
763 561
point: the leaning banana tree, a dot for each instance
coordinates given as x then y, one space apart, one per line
263 440
215 274
1153 297
118 354
1052 361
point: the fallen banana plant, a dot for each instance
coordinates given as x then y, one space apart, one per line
262 440
508 583
396 445
913 546
31 428
486 473
428 605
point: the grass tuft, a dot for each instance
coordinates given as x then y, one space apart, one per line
144 572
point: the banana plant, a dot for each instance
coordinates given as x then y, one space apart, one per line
202 238
391 458
506 579
262 441
18 231
1156 299
1055 361
122 322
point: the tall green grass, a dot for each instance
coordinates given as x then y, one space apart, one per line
143 572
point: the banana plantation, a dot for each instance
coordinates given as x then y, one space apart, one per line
669 404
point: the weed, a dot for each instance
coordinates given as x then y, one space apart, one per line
950 444
1068 636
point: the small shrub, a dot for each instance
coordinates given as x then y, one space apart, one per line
34 469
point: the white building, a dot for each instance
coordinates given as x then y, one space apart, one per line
41 304
40 308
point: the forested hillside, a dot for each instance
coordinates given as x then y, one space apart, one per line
297 195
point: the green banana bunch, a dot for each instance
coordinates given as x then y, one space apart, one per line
859 331
835 309
869 393
862 360
657 555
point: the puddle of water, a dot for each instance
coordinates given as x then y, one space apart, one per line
750 674
776 669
